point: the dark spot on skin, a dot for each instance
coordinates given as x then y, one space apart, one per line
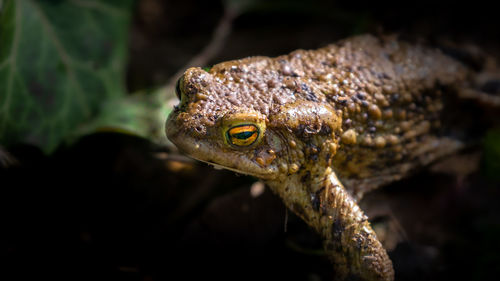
300 130
304 87
359 243
312 152
309 94
337 229
325 130
383 75
190 90
306 177
317 197
314 149
394 97
313 157
361 96
315 201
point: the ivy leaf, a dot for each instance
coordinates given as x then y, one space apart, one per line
58 61
141 114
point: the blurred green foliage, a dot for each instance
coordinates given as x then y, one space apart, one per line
59 60
141 114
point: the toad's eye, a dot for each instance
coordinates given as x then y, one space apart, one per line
178 88
242 135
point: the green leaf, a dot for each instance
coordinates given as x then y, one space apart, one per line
58 61
141 114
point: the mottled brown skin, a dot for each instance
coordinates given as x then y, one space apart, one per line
333 123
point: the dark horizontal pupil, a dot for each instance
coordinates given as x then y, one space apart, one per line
243 135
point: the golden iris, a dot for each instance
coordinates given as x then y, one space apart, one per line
243 135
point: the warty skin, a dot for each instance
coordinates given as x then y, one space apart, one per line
327 125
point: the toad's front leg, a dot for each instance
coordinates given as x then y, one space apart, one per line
349 239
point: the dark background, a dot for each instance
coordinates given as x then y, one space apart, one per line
113 206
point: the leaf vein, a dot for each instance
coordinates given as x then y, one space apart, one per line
65 58
11 59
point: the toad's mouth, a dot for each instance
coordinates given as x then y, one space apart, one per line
212 153
251 168
221 167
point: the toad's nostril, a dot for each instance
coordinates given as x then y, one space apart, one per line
200 130
178 88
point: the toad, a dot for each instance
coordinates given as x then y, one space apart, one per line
322 127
